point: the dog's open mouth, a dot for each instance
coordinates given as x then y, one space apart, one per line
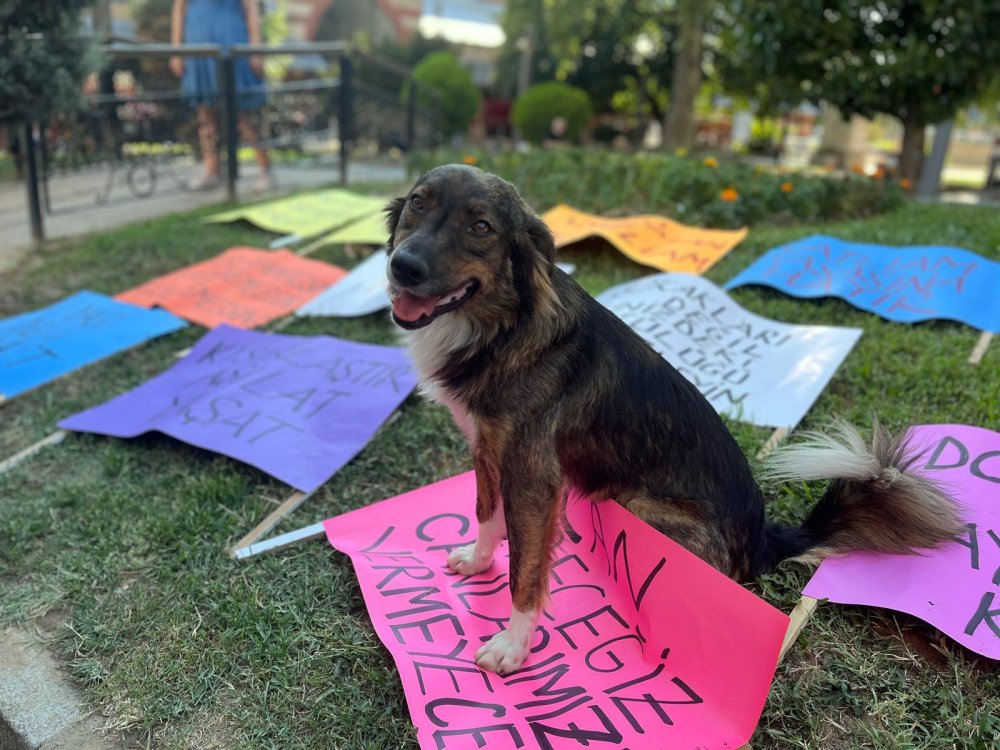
412 312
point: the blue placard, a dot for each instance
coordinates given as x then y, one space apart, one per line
904 284
42 345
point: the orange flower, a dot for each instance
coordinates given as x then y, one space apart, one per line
905 183
711 162
879 172
787 187
729 195
469 159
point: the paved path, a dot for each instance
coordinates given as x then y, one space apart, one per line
38 701
75 211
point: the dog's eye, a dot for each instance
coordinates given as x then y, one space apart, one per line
481 227
417 202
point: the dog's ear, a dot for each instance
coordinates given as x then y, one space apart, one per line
539 236
534 258
393 210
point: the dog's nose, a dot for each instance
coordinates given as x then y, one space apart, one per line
408 269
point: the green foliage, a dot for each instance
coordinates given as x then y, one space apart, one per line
43 58
279 652
689 190
619 51
407 55
445 86
918 60
534 111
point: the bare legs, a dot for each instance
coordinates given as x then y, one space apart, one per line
208 140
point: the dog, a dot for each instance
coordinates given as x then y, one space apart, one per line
556 393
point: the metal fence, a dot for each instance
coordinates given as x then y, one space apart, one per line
322 105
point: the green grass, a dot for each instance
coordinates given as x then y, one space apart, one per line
181 647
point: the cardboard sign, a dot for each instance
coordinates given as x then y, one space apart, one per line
653 241
758 370
642 644
956 587
362 292
295 407
905 284
242 287
42 345
370 230
308 214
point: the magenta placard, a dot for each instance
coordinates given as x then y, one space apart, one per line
642 645
956 587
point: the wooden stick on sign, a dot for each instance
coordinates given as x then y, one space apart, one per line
273 519
772 442
56 437
797 623
313 531
979 350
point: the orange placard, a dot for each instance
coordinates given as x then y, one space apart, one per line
654 241
243 287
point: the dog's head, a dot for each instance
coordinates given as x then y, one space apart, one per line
464 243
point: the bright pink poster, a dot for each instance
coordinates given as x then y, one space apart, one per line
956 588
642 645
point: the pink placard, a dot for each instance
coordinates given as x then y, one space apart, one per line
956 587
642 645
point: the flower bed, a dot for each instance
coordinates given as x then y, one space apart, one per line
695 191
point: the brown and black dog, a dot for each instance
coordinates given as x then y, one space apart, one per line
555 392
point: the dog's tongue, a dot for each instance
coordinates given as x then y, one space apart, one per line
410 307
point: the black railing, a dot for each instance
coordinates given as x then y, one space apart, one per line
138 126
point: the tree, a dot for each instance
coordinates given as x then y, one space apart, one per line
536 109
447 87
678 131
43 58
917 60
618 51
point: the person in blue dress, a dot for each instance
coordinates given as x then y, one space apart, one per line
224 22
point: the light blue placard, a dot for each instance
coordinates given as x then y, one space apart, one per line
904 284
39 346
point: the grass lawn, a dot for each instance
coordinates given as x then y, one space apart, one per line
181 647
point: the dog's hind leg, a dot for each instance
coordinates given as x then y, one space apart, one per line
478 556
685 523
533 512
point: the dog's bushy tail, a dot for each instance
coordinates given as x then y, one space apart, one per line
875 500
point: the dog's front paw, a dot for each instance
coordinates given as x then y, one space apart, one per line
464 561
504 652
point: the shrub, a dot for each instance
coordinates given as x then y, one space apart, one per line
691 190
534 111
457 99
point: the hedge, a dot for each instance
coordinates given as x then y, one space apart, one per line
692 190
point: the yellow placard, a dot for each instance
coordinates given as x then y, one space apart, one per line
370 230
654 241
306 215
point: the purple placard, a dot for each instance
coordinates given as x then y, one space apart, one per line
955 587
296 407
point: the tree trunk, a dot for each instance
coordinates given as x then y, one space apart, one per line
678 131
911 156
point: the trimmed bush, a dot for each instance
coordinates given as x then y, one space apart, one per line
692 190
458 98
535 110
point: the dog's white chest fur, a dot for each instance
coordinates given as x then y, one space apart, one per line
429 347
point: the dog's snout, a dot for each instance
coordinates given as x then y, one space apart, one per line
408 269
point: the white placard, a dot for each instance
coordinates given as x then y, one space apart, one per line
361 292
751 368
